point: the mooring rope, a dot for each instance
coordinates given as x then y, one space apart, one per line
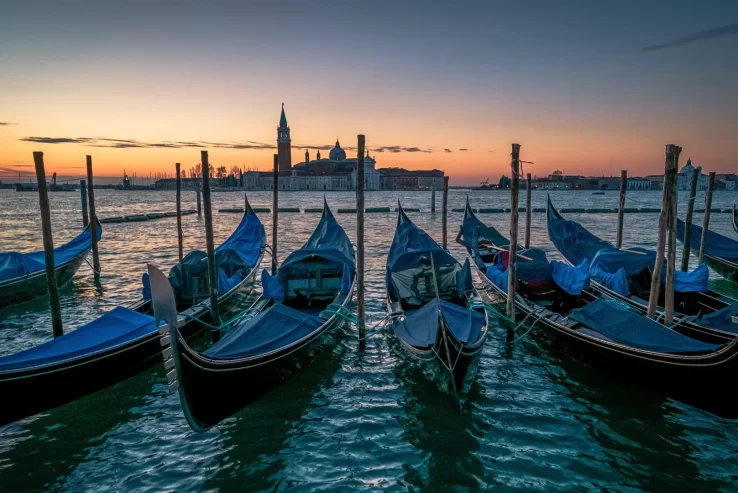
91 267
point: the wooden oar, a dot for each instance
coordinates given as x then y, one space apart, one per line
494 247
632 251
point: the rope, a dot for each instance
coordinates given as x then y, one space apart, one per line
478 303
91 267
250 313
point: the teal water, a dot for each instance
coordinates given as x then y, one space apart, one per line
539 417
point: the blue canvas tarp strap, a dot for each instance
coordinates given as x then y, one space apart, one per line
572 279
15 265
636 331
275 328
116 327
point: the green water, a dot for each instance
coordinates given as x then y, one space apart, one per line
539 417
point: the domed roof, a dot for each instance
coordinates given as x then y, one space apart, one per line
368 160
337 154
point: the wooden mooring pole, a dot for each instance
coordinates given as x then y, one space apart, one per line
528 209
513 248
197 191
210 244
43 198
671 226
275 213
621 208
706 221
444 213
360 241
687 240
179 212
667 207
83 196
433 196
93 221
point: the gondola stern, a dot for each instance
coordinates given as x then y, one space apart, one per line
165 310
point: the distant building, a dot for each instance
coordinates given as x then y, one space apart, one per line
684 180
337 172
639 183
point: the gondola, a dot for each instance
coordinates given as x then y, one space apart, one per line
554 294
23 275
721 252
625 275
294 320
429 300
120 343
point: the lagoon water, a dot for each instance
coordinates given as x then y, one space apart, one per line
538 417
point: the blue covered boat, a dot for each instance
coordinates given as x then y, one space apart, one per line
557 295
721 252
428 299
293 321
23 275
119 344
625 275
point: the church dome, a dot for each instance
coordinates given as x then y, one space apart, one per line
368 160
337 154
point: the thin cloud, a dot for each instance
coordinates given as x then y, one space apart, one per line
717 32
491 151
464 149
5 124
135 144
447 150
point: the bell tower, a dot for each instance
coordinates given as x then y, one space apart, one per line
284 145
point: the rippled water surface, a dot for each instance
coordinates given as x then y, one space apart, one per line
538 416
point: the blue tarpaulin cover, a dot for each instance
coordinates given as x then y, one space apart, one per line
722 319
116 327
476 231
695 281
410 244
234 258
420 328
716 245
274 328
272 286
605 261
636 331
570 278
498 277
329 241
617 282
14 264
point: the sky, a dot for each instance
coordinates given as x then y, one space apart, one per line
586 87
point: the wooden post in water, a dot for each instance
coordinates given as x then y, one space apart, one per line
83 196
513 248
179 212
687 240
275 213
210 243
360 241
671 226
197 191
528 209
245 203
706 222
444 213
666 207
621 208
43 198
93 221
433 196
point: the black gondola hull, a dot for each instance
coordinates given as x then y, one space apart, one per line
726 269
216 389
36 390
18 291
